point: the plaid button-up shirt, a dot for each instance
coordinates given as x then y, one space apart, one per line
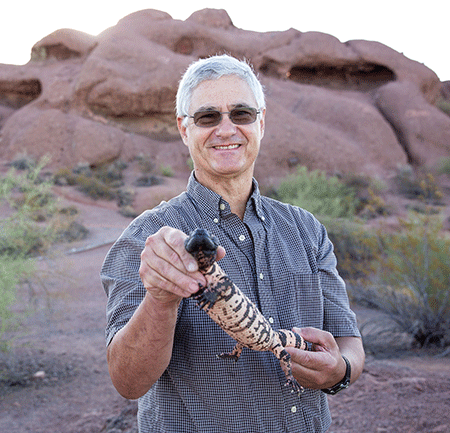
281 258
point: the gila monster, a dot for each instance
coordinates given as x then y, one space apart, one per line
234 312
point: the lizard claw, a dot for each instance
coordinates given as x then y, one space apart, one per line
296 387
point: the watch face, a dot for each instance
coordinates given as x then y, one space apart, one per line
337 388
343 386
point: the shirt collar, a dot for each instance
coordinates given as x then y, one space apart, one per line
211 202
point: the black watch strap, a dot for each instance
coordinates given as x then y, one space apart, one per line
344 383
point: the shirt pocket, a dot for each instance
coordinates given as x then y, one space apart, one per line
299 300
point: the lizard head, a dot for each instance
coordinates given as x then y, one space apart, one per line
203 247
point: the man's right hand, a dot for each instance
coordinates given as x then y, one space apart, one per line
167 270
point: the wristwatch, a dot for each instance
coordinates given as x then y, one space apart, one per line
344 383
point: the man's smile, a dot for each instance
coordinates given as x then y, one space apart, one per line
226 146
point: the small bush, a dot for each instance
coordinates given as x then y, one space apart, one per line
374 206
414 280
95 188
145 164
99 183
444 166
318 193
12 271
33 224
32 202
148 180
354 247
444 105
166 170
418 186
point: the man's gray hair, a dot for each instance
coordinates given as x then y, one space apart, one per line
213 68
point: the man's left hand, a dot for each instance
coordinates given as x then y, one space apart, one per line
323 366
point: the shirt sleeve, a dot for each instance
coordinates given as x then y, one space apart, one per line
121 280
339 319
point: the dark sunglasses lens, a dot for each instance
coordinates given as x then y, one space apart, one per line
239 116
207 118
243 116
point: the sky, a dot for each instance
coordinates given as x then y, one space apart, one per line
418 29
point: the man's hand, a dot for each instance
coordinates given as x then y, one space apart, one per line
141 351
323 367
167 270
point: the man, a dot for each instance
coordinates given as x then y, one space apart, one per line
161 347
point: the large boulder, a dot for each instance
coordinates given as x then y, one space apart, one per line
66 137
358 106
63 44
338 132
421 129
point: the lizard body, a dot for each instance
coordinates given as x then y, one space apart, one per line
234 312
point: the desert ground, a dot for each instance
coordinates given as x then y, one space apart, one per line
54 377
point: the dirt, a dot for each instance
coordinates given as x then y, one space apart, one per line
54 378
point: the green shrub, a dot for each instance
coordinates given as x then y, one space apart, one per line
21 236
102 182
31 201
413 279
444 105
444 166
318 193
111 173
95 188
145 164
418 186
354 247
32 223
166 170
12 272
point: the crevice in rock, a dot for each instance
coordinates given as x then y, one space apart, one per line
403 141
16 94
271 69
56 51
184 46
401 136
361 77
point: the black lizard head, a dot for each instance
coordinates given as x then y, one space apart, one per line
203 247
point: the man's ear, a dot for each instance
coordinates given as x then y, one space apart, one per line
182 129
262 122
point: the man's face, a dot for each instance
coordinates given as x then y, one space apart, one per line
226 150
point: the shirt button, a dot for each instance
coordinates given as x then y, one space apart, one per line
271 320
261 276
216 220
294 409
222 206
263 218
242 238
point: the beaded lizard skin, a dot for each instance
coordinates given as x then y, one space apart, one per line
234 312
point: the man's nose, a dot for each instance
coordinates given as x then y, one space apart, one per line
226 126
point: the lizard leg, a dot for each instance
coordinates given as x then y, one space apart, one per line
286 365
206 298
218 284
234 354
288 339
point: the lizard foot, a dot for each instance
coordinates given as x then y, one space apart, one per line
296 387
231 356
234 354
206 299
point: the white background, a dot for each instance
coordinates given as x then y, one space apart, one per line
420 30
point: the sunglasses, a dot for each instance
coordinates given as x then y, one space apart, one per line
239 116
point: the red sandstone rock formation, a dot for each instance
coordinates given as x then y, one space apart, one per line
357 106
